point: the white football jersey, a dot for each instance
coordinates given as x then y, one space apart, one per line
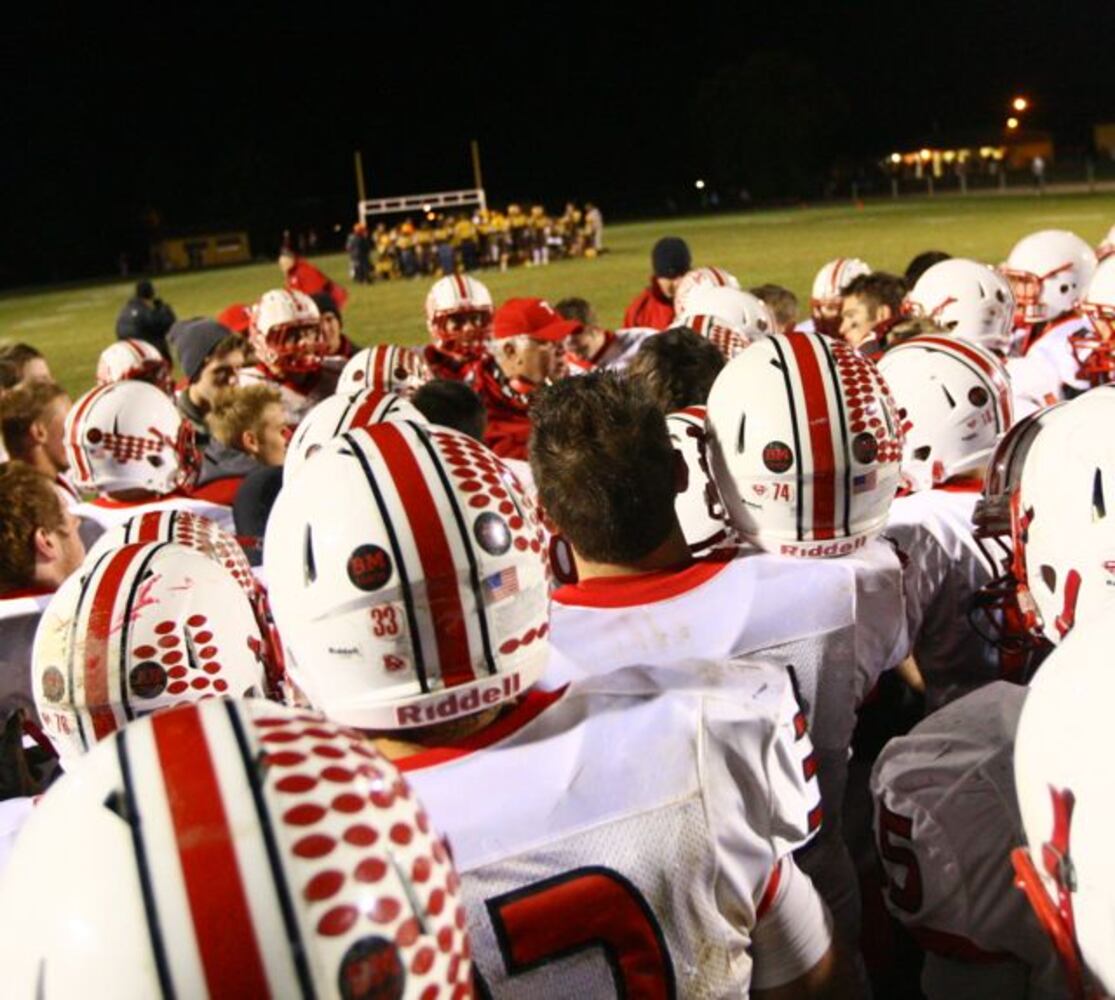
838 622
108 512
297 398
593 862
945 568
1048 367
20 612
616 354
946 820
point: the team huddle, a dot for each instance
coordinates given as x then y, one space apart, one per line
538 661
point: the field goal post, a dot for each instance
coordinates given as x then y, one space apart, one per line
423 203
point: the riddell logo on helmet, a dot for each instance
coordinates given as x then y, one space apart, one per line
822 550
452 705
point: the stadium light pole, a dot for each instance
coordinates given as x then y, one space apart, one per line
361 194
474 146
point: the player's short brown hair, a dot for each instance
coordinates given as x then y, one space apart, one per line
877 289
604 465
452 404
29 502
910 327
13 361
676 369
241 409
20 408
783 304
576 309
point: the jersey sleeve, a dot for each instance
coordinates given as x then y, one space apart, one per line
793 932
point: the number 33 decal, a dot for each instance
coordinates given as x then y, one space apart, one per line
581 909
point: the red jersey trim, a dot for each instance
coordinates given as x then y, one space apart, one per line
533 704
969 484
109 504
642 588
770 891
219 491
20 592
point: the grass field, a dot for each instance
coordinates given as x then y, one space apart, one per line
71 326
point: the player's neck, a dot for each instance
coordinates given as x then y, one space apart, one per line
673 553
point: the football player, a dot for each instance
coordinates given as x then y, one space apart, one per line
870 306
954 401
459 321
828 295
134 359
32 423
290 351
592 346
1094 349
424 622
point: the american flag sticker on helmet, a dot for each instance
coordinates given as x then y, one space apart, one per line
868 481
502 584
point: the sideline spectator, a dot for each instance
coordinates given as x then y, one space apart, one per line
871 306
594 227
357 247
782 303
654 305
676 369
146 317
300 275
32 423
20 364
210 357
452 404
332 327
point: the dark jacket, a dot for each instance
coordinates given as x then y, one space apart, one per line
146 320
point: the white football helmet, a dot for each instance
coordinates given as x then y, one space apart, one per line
699 510
336 414
700 277
1095 349
805 443
828 292
967 300
129 435
204 535
1062 776
143 628
736 309
408 578
459 315
385 367
133 359
727 339
1048 272
248 850
1064 540
1107 247
285 332
954 401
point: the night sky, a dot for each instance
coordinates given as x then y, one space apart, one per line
249 120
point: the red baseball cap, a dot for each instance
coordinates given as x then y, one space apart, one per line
531 318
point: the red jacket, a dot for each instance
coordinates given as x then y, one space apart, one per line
508 421
304 277
650 308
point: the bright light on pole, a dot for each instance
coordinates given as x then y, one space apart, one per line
1020 104
895 157
1012 123
699 185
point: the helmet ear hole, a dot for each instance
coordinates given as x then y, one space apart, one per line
1049 577
922 453
1099 505
155 461
308 565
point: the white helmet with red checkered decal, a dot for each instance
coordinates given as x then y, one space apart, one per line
699 510
385 367
285 332
337 414
233 849
1048 272
968 300
700 277
828 295
739 310
955 404
1063 533
408 578
459 315
805 443
133 359
1062 774
142 628
128 436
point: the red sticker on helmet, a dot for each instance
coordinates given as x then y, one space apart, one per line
777 456
369 567
865 448
371 968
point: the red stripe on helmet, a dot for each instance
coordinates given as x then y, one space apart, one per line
834 281
718 277
818 421
95 666
379 377
366 414
149 527
993 372
438 566
222 919
76 447
140 356
462 287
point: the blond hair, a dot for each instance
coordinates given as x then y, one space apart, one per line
239 410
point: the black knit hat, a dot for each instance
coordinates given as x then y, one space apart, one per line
670 257
326 304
